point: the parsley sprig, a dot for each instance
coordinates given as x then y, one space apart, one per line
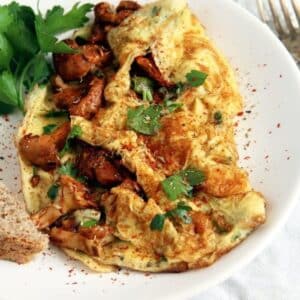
26 38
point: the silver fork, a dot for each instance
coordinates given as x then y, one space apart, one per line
285 19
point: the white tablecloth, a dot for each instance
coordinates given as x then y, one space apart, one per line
275 273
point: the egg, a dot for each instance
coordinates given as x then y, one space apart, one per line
225 210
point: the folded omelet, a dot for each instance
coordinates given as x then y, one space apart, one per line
155 233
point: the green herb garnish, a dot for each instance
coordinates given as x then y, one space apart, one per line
26 38
182 184
174 187
144 87
155 11
69 169
196 78
53 191
172 106
193 176
236 237
34 171
49 128
76 131
193 79
218 117
158 222
89 223
57 114
144 119
181 212
56 22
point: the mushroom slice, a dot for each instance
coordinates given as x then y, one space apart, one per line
96 165
73 195
90 244
89 105
149 66
128 5
98 35
42 151
76 66
104 13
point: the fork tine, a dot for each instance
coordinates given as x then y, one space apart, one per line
261 10
276 19
296 7
287 16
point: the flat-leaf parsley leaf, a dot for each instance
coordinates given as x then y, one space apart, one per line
76 131
196 78
158 222
182 183
144 87
180 211
53 191
48 129
144 119
25 40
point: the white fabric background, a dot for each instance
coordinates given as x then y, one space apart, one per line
275 273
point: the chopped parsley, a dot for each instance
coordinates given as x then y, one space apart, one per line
69 169
196 78
76 131
56 114
193 79
49 128
218 117
174 187
172 106
34 171
192 176
181 212
53 191
158 222
155 11
89 223
182 183
144 87
144 120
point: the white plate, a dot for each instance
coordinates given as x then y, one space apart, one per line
270 82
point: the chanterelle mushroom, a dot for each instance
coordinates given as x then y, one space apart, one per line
42 151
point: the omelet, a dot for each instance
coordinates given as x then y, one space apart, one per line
190 202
